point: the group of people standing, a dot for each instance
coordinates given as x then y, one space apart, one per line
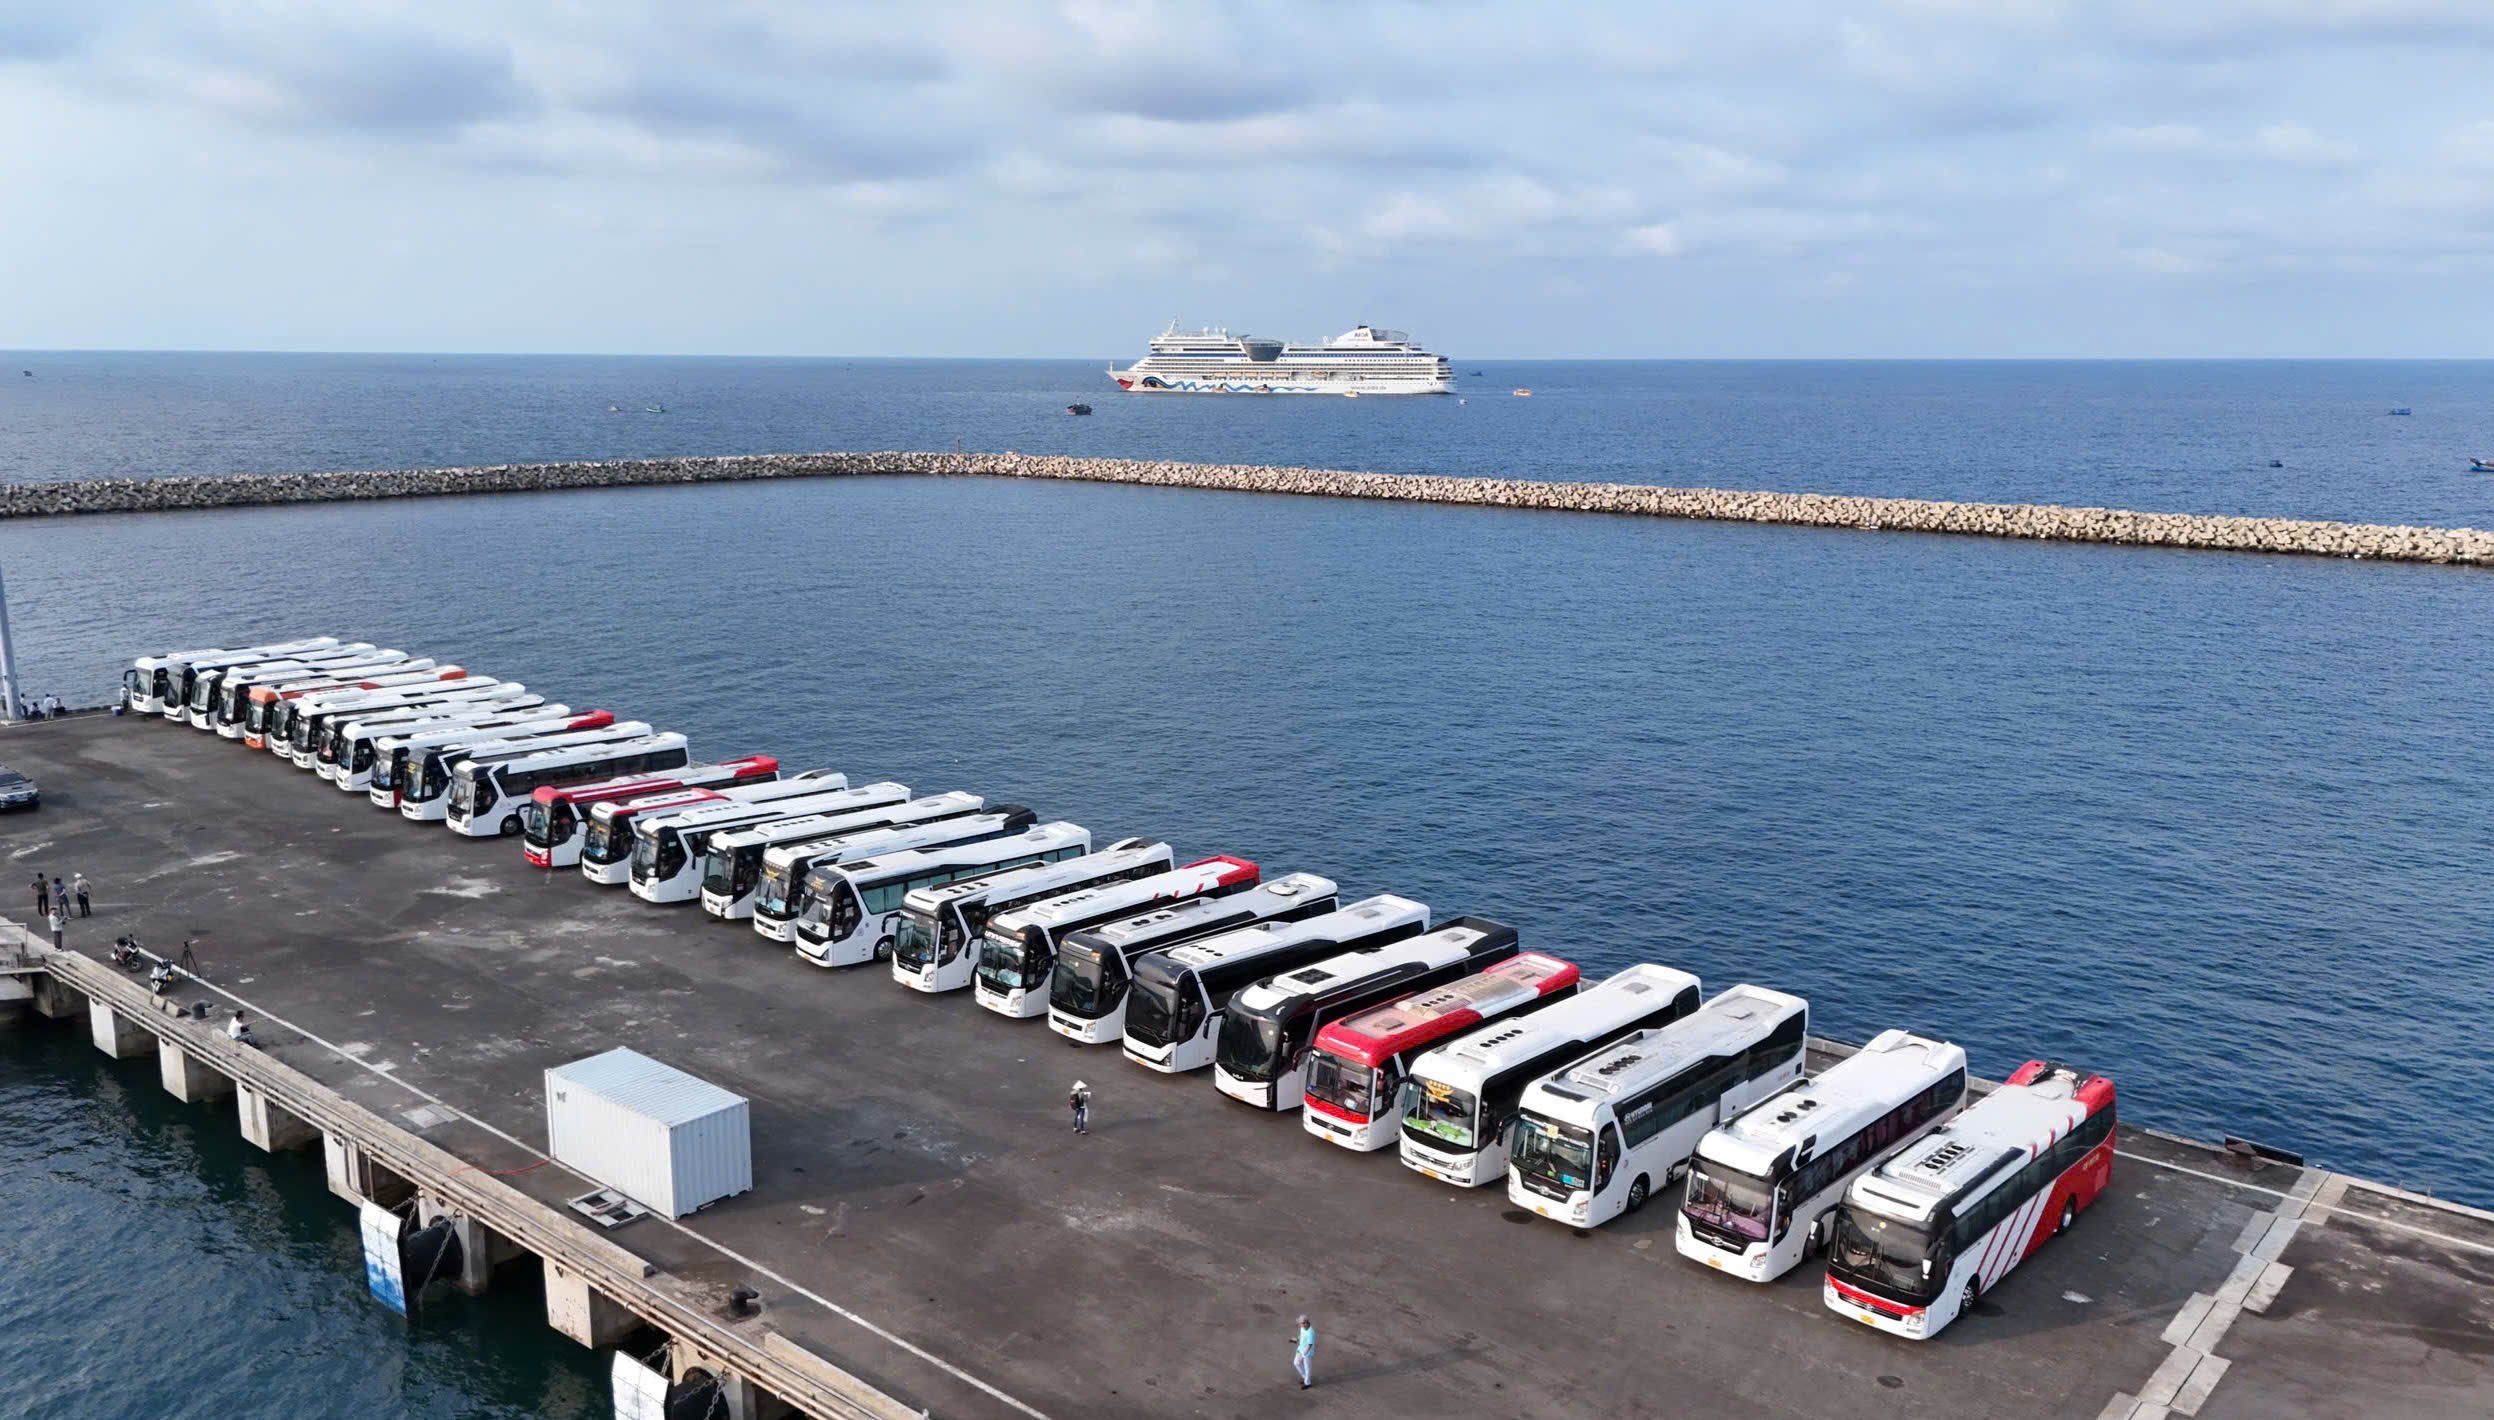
41 708
53 899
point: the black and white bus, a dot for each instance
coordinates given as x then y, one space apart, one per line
731 868
489 786
1260 1055
1018 957
1174 1011
937 946
856 910
788 870
1087 991
669 850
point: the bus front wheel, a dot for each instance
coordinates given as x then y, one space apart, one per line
510 828
2069 1215
1636 1194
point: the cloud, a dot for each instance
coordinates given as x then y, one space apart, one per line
2284 143
383 79
1656 239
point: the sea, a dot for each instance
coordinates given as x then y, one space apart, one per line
2212 824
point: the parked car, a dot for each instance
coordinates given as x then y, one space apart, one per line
16 790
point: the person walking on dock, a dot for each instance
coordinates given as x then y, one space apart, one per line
43 896
1303 1352
78 885
1080 1099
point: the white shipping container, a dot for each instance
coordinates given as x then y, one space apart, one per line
667 1141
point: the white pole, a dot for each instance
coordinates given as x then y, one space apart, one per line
8 659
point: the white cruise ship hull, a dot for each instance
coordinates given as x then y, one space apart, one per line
1268 379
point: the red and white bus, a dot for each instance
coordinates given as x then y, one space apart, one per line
1922 1237
556 819
1358 1064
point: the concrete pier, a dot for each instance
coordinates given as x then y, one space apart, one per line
924 1233
267 1123
115 1034
2024 521
188 1078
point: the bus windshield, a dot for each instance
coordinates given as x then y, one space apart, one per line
1730 1202
1152 1008
1249 1047
1440 1113
645 853
537 821
773 898
606 839
1558 1154
463 794
1087 984
1346 1085
718 871
1006 961
913 944
1886 1254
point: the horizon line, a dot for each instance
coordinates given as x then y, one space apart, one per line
1512 359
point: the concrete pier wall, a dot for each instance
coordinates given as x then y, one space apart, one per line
2036 522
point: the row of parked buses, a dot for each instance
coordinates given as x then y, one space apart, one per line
1477 1061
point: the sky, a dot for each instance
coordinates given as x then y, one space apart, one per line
1883 178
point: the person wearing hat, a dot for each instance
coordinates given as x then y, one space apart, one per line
1080 1099
1303 1352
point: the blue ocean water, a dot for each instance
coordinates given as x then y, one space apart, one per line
2211 823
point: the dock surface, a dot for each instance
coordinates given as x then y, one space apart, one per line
923 1216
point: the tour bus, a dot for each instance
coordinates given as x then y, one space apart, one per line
295 728
268 712
1763 1189
488 785
1920 1238
152 681
1174 1009
334 749
731 869
936 947
1455 1103
556 819
411 767
209 688
857 905
1094 967
1358 1063
232 711
370 752
670 849
606 848
955 817
1018 956
1596 1139
366 748
1260 1056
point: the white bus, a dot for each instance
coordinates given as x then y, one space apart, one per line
1357 1065
937 945
1260 1056
787 883
162 684
606 844
1094 967
669 850
334 747
731 868
295 728
1598 1138
1921 1238
1174 1009
488 787
556 819
412 772
1455 1103
1017 958
1763 1189
357 757
270 711
210 687
232 710
856 909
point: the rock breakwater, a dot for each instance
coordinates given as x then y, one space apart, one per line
2032 521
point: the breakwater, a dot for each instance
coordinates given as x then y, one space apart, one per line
2027 521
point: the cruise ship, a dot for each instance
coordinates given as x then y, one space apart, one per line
1364 360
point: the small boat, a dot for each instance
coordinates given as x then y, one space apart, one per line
1078 409
2481 465
2403 410
653 409
2277 463
1523 394
1350 394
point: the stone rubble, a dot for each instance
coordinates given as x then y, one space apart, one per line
1825 510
